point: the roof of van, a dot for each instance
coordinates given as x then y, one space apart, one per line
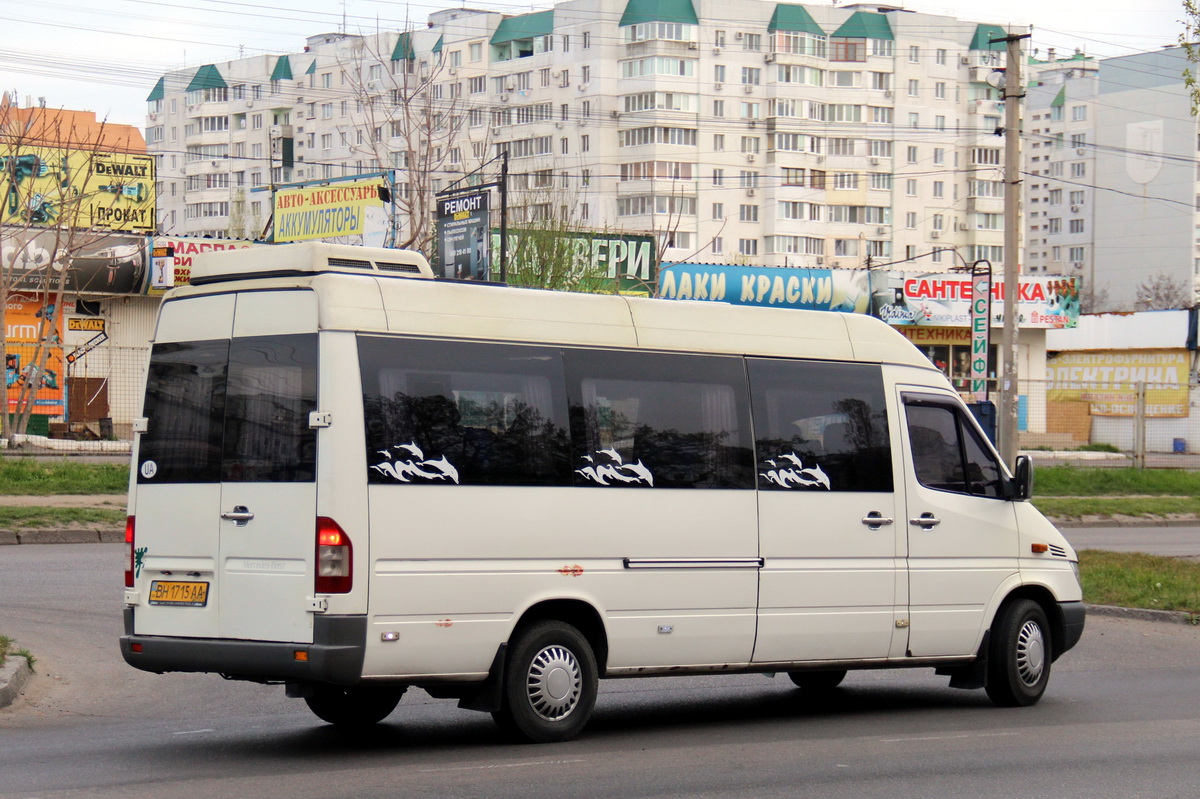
370 299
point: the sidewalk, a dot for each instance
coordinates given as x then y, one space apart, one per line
71 534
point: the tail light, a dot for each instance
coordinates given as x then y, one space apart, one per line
335 563
129 552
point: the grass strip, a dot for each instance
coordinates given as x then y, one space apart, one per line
1148 507
13 517
27 476
1138 580
1082 481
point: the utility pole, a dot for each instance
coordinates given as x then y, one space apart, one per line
1014 91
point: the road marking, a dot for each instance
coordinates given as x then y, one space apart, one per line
500 765
950 737
191 732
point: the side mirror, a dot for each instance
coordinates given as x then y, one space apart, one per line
1022 482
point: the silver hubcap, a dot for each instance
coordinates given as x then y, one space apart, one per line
554 683
1031 653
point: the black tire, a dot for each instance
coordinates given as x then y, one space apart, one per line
1019 655
818 681
550 683
356 706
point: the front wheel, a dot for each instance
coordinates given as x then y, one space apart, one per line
550 683
354 706
1019 658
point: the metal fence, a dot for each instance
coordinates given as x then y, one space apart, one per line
1149 424
104 393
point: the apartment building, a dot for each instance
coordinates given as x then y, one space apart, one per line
735 132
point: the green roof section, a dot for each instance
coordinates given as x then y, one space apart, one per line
865 25
1061 99
404 48
638 11
207 77
794 19
312 68
158 92
283 69
982 40
526 26
437 48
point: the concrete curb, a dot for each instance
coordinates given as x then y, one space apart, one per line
13 675
110 536
1144 614
1123 521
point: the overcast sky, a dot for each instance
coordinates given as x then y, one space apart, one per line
105 56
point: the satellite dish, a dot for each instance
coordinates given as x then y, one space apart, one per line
995 79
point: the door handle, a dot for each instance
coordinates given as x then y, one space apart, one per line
926 521
240 515
874 520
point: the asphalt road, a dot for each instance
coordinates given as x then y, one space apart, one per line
1121 719
1175 542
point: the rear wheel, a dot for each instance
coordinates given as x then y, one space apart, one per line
355 706
1019 660
550 683
818 680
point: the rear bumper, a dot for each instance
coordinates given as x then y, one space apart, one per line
334 656
1073 616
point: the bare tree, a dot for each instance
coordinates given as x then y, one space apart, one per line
411 122
1162 292
50 215
1189 40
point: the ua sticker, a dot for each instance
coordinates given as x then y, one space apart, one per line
149 469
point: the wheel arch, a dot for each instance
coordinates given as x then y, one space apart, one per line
579 614
1049 604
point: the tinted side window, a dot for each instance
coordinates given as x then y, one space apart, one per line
185 410
651 420
948 455
463 413
820 426
272 388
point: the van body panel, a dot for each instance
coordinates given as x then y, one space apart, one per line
542 542
199 318
956 564
828 584
267 313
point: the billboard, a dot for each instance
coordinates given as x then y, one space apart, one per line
462 228
23 320
96 263
1109 381
350 212
171 259
632 261
903 298
44 187
773 287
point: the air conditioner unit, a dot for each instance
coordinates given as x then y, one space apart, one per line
748 88
615 114
963 226
556 74
750 192
965 61
750 157
583 87
249 103
739 36
769 58
558 125
881 231
216 164
693 46
820 159
887 92
1074 209
496 130
935 234
1080 151
510 88
453 70
504 98
874 162
820 260
1077 264
716 51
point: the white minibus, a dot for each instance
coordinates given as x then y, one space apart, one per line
351 478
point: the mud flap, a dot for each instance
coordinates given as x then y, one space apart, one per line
488 695
974 674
